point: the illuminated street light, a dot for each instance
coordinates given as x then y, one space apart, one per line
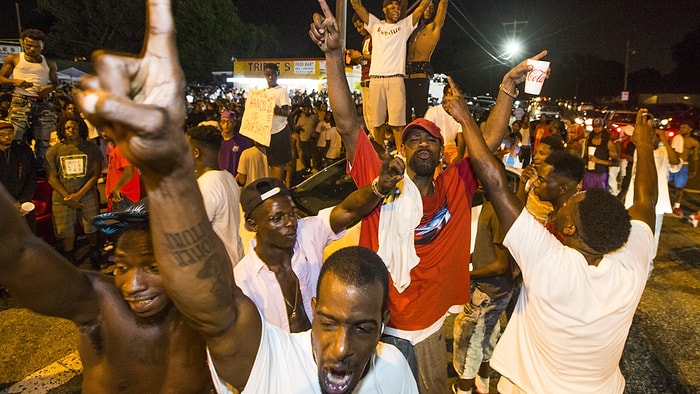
513 49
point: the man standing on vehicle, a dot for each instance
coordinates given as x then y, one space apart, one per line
389 36
364 59
420 49
34 78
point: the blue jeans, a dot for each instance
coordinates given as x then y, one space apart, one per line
33 119
476 331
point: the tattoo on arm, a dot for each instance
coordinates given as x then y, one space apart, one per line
190 246
196 245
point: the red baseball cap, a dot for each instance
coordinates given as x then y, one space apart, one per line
422 124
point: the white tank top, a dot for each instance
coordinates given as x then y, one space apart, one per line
36 73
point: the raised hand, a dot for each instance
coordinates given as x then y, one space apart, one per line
141 99
518 73
324 30
455 104
391 173
643 131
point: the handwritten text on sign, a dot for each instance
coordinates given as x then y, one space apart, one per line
257 118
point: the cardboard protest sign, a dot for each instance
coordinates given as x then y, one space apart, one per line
257 118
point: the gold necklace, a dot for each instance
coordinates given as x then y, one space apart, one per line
293 315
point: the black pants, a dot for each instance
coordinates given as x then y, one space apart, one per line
416 97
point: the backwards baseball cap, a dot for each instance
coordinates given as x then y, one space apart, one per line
387 2
260 190
597 122
422 124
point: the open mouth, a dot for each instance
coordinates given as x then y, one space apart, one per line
142 305
336 381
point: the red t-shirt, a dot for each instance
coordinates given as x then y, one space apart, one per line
441 278
115 169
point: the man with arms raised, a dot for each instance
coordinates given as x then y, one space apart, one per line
429 267
421 45
579 295
388 92
142 100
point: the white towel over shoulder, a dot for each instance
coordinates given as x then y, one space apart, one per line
398 218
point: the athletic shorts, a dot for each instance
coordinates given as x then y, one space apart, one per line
280 151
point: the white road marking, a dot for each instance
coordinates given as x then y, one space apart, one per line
50 377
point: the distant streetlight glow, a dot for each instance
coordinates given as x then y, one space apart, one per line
513 49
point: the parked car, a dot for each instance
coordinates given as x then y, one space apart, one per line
552 111
620 119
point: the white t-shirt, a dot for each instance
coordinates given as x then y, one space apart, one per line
571 320
281 99
253 163
260 284
220 193
389 45
449 127
285 364
336 143
663 201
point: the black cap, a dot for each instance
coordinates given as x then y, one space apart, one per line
260 190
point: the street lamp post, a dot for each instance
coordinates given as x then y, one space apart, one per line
628 52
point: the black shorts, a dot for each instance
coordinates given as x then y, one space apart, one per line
280 151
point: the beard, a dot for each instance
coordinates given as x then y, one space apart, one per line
423 167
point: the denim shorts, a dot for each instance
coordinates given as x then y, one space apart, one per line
476 331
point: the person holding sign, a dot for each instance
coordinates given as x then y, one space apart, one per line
280 151
73 166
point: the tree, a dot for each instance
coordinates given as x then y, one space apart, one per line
686 74
82 26
210 32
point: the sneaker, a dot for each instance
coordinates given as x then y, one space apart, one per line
677 211
694 219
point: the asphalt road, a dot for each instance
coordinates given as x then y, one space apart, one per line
661 356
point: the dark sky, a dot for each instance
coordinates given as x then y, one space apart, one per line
596 27
564 27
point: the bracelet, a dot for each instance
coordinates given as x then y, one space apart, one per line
375 189
508 92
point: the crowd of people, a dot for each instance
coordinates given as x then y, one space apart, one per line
185 309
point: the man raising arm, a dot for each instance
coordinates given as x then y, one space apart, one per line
579 294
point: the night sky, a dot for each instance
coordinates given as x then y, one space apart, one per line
564 27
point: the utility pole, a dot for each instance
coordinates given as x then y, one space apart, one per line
515 25
628 52
19 27
341 17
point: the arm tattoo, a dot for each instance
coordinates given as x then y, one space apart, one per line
193 246
190 246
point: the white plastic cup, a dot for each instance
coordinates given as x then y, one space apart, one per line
27 207
535 77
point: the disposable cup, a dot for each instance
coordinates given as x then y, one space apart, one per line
536 76
27 207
